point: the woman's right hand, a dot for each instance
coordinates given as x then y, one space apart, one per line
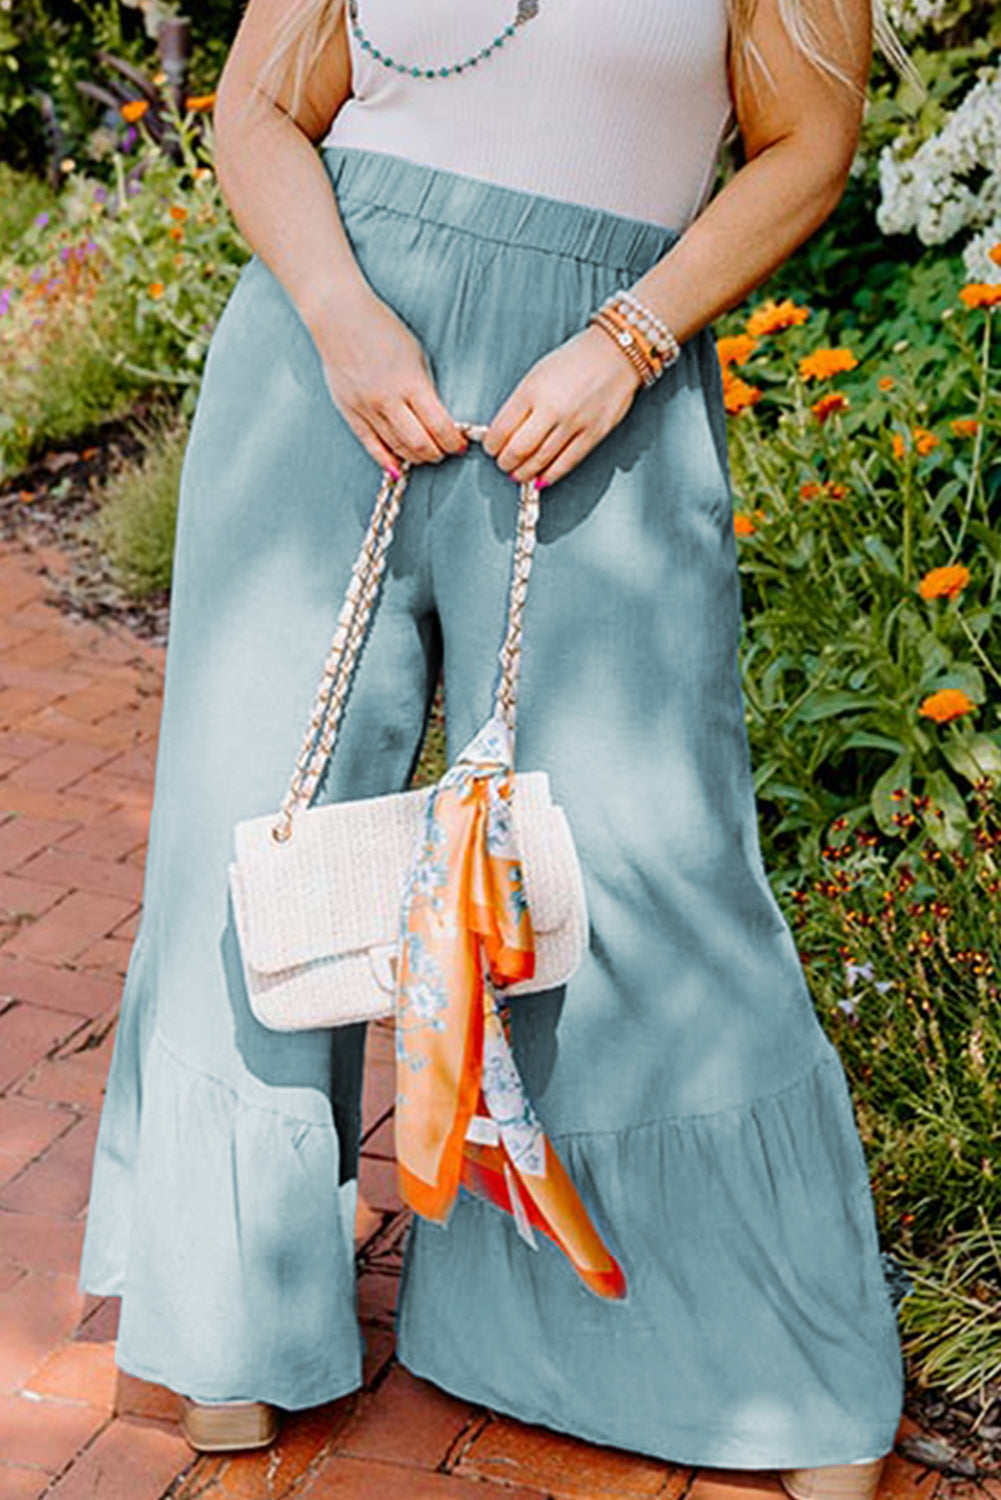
380 383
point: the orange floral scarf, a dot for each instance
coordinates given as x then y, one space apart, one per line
462 1114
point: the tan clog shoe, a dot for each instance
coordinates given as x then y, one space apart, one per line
834 1481
224 1426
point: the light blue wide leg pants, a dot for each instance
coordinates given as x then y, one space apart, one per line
682 1073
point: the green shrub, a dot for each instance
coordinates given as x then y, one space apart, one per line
23 198
135 525
47 47
951 1320
866 484
906 973
903 960
116 291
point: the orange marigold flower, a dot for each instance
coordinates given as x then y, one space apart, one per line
772 317
809 490
200 101
156 288
134 109
833 401
823 363
946 582
836 491
899 446
735 348
964 426
178 212
737 394
742 523
995 253
946 704
886 382
176 232
924 441
981 294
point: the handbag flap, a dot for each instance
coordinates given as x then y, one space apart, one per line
335 885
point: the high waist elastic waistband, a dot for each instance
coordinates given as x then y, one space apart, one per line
494 212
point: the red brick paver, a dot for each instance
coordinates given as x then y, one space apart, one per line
79 713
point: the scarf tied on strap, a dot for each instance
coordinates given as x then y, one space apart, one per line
463 1117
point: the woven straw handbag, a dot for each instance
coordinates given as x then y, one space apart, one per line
317 891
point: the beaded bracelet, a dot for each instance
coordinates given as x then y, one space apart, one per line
623 336
639 332
649 322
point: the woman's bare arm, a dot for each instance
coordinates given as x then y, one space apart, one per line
275 183
799 138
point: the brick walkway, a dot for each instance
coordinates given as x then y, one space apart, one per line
79 712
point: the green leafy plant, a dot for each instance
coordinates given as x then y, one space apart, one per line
866 486
116 289
135 525
905 968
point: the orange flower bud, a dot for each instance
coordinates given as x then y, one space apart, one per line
772 317
735 349
833 401
737 394
134 109
823 363
981 294
944 583
946 704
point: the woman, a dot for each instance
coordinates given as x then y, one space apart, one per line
438 262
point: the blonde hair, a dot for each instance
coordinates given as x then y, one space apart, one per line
308 25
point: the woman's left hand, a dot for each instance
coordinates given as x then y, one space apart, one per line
569 400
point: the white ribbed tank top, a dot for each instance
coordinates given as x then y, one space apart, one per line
619 106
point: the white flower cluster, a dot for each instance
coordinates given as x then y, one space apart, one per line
908 17
929 191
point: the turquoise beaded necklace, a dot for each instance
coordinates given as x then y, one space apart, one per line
526 10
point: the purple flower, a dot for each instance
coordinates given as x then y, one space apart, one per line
41 220
91 245
64 252
100 195
4 300
128 140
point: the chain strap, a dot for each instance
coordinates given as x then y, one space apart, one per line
352 626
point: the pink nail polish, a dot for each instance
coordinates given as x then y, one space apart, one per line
394 474
540 484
